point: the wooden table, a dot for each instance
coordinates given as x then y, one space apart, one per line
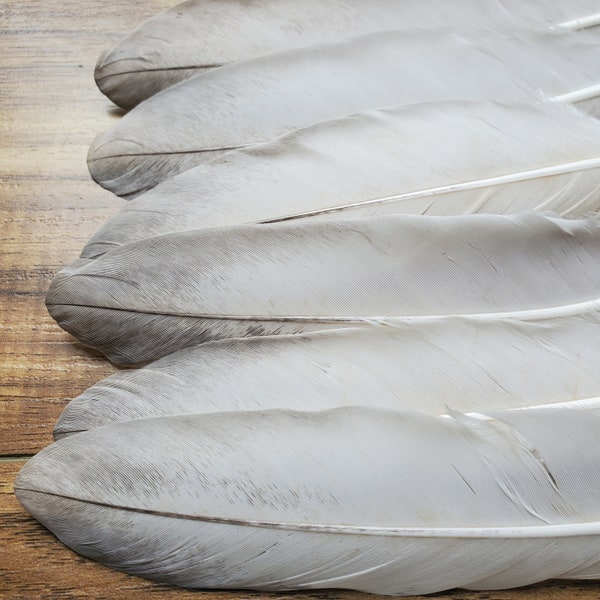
50 110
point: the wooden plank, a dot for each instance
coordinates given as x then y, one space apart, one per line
49 207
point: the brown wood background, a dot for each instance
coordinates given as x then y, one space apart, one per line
50 111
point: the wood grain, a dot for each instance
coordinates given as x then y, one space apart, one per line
50 110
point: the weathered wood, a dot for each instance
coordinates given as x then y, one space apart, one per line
50 110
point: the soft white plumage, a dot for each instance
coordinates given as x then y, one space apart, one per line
148 298
439 158
257 100
381 501
201 34
455 364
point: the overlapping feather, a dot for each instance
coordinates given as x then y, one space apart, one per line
382 501
257 100
197 35
148 298
464 365
439 158
456 312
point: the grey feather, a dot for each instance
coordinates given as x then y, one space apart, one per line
440 158
198 35
148 298
380 501
455 363
257 100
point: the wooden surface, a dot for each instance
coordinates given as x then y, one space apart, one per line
50 110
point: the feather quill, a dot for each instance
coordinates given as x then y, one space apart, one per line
149 298
459 364
257 100
198 35
380 501
441 158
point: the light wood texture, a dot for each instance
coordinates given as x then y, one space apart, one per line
50 110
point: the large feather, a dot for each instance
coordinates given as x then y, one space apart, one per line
201 34
380 501
257 100
148 298
442 158
460 364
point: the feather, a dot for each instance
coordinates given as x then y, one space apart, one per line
381 501
462 364
149 298
257 100
198 35
441 158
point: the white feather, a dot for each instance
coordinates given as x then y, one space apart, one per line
257 100
442 158
380 501
148 298
200 34
460 364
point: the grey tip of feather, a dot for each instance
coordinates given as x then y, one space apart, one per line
125 167
70 302
124 337
91 251
35 490
106 146
57 295
28 485
101 65
113 78
35 503
62 430
59 433
61 288
77 418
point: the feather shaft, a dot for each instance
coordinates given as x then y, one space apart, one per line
589 93
586 22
